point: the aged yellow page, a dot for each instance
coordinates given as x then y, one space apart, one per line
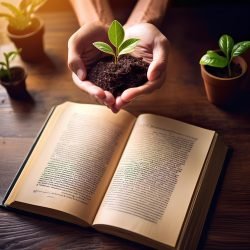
72 164
153 185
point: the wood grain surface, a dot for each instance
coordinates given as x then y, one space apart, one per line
191 32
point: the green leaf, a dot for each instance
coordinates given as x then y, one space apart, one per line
18 18
15 11
3 73
116 33
4 15
24 4
12 55
240 48
128 46
214 60
39 3
226 44
211 52
36 4
104 47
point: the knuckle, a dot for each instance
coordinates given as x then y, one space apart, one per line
71 65
71 41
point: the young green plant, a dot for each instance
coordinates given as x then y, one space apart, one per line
116 36
20 17
5 65
229 49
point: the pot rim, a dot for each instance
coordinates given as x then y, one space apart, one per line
40 27
242 63
11 83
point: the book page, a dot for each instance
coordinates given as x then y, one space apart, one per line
155 179
72 164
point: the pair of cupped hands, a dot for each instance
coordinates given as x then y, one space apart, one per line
153 47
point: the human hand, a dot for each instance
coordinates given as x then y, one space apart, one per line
153 48
81 54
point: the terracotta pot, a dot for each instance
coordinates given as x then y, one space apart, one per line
30 41
16 87
224 91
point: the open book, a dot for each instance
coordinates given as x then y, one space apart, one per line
149 179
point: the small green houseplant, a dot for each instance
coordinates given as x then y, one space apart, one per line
21 17
224 71
125 71
13 78
24 28
116 36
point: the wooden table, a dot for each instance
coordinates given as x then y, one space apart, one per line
191 31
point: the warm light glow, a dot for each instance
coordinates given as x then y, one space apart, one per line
50 5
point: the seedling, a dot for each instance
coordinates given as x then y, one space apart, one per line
5 65
20 17
116 36
229 49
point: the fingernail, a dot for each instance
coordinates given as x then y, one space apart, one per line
114 110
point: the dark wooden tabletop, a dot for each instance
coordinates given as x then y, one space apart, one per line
191 31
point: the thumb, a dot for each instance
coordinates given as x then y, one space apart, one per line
78 67
159 63
75 62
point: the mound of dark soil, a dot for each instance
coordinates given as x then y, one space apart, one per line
223 72
127 73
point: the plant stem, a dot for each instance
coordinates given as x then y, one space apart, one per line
229 69
116 55
9 74
7 63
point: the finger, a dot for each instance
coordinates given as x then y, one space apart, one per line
89 87
78 67
119 104
75 62
100 101
114 109
160 58
129 94
109 99
96 99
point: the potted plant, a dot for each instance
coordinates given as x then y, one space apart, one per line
119 71
13 78
224 71
25 29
